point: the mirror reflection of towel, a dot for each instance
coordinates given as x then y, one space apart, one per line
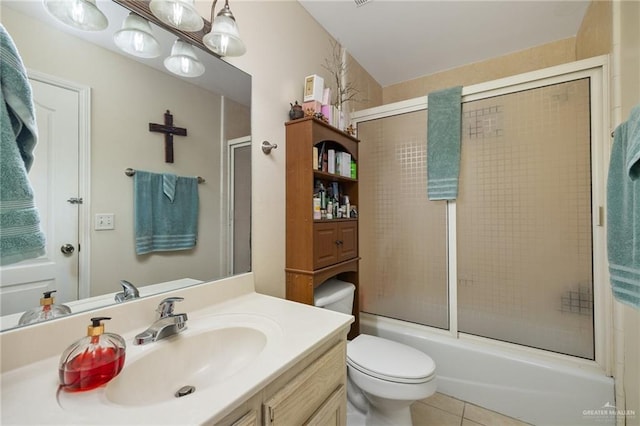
169 185
20 235
162 224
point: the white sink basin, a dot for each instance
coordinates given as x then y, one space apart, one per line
207 355
199 360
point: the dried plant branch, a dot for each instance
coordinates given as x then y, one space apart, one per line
344 91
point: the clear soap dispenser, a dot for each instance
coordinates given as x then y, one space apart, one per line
46 311
93 360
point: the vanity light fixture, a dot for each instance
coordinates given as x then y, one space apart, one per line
80 14
224 37
183 60
136 38
180 14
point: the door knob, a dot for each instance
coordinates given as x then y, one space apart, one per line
67 249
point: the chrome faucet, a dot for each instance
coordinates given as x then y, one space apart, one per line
167 323
129 292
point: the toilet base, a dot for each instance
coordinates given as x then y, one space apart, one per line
368 410
400 417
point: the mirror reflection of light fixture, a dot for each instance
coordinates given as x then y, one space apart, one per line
224 38
136 37
183 60
80 14
180 14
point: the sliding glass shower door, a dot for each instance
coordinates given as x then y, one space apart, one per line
525 270
517 244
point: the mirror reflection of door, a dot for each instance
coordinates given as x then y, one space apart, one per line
54 177
240 203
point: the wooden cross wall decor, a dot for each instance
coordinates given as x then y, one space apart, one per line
169 130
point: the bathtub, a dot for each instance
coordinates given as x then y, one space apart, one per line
533 388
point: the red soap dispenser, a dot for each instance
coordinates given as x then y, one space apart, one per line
93 360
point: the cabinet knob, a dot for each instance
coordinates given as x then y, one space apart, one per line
339 242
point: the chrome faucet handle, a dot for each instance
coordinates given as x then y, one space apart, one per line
129 292
129 289
165 308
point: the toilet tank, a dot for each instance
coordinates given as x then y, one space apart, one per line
335 295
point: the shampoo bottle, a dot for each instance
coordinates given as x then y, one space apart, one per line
93 360
47 310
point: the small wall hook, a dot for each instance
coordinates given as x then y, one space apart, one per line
267 147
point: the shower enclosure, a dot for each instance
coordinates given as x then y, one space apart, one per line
518 257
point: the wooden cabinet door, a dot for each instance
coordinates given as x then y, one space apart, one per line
249 419
304 396
347 240
325 244
333 412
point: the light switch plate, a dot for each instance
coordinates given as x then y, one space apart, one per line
105 221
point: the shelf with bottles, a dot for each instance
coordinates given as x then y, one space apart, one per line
332 160
331 201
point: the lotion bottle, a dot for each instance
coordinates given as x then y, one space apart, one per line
93 360
46 311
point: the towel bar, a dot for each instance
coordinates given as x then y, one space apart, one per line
130 172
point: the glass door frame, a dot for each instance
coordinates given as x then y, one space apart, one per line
597 70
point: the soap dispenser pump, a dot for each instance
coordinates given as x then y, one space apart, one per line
93 360
46 311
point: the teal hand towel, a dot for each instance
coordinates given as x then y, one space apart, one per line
623 211
169 185
162 224
443 143
20 235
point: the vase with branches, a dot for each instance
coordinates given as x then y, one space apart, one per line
345 90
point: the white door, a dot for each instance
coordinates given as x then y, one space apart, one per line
54 177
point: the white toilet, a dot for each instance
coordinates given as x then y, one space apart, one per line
384 377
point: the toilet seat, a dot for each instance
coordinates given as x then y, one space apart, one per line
388 360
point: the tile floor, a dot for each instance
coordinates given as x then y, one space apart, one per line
443 410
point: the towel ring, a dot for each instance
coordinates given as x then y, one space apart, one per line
130 172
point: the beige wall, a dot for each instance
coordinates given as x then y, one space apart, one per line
547 55
284 45
595 34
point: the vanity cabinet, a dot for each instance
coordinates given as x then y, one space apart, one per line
315 396
320 156
312 392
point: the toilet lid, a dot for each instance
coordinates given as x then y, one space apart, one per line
389 360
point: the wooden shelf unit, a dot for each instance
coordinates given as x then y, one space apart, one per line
317 250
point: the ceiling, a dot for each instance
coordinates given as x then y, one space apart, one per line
399 40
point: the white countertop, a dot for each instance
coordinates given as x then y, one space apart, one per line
29 392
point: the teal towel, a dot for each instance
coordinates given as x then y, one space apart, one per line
162 224
443 143
623 211
20 235
169 185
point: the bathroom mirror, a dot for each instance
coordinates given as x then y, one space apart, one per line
120 96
